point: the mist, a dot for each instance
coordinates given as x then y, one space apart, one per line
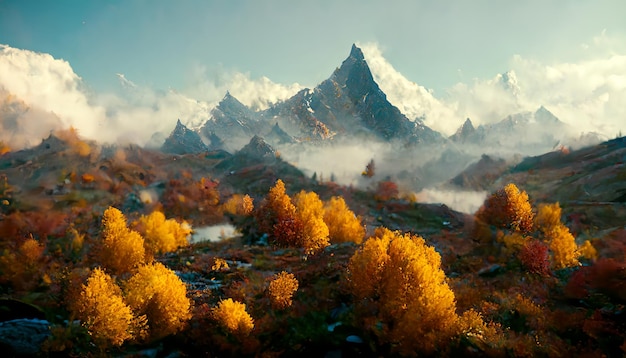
463 201
53 96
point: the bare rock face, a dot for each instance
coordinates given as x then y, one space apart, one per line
182 140
257 148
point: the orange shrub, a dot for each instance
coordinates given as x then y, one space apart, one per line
156 292
4 148
343 225
23 266
233 317
508 208
77 145
275 207
386 190
281 289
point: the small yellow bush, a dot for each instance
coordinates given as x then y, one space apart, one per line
562 243
238 205
102 310
161 235
310 212
122 249
281 289
343 225
587 251
233 317
156 292
563 247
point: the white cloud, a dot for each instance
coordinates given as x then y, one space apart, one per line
51 87
411 99
257 94
464 201
587 93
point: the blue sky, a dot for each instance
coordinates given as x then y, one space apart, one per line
433 43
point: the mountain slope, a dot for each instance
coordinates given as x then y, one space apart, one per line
348 104
182 140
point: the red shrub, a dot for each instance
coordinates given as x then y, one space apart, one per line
535 258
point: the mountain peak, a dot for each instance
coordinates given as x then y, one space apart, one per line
229 98
257 148
356 53
463 133
183 141
545 116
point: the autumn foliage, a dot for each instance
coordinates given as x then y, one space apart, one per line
281 289
232 316
157 293
102 310
398 278
238 205
162 235
343 224
310 212
122 249
508 208
76 144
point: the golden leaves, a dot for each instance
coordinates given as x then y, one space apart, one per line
281 289
343 225
401 277
122 249
102 310
162 235
232 316
156 292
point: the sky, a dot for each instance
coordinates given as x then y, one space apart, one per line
161 60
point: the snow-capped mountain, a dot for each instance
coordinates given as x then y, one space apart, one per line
349 103
528 133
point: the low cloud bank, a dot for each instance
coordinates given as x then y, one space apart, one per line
41 93
463 201
51 96
587 93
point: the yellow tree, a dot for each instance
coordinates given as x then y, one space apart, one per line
102 310
398 277
310 212
276 217
343 225
156 292
122 249
238 205
507 208
162 235
562 243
